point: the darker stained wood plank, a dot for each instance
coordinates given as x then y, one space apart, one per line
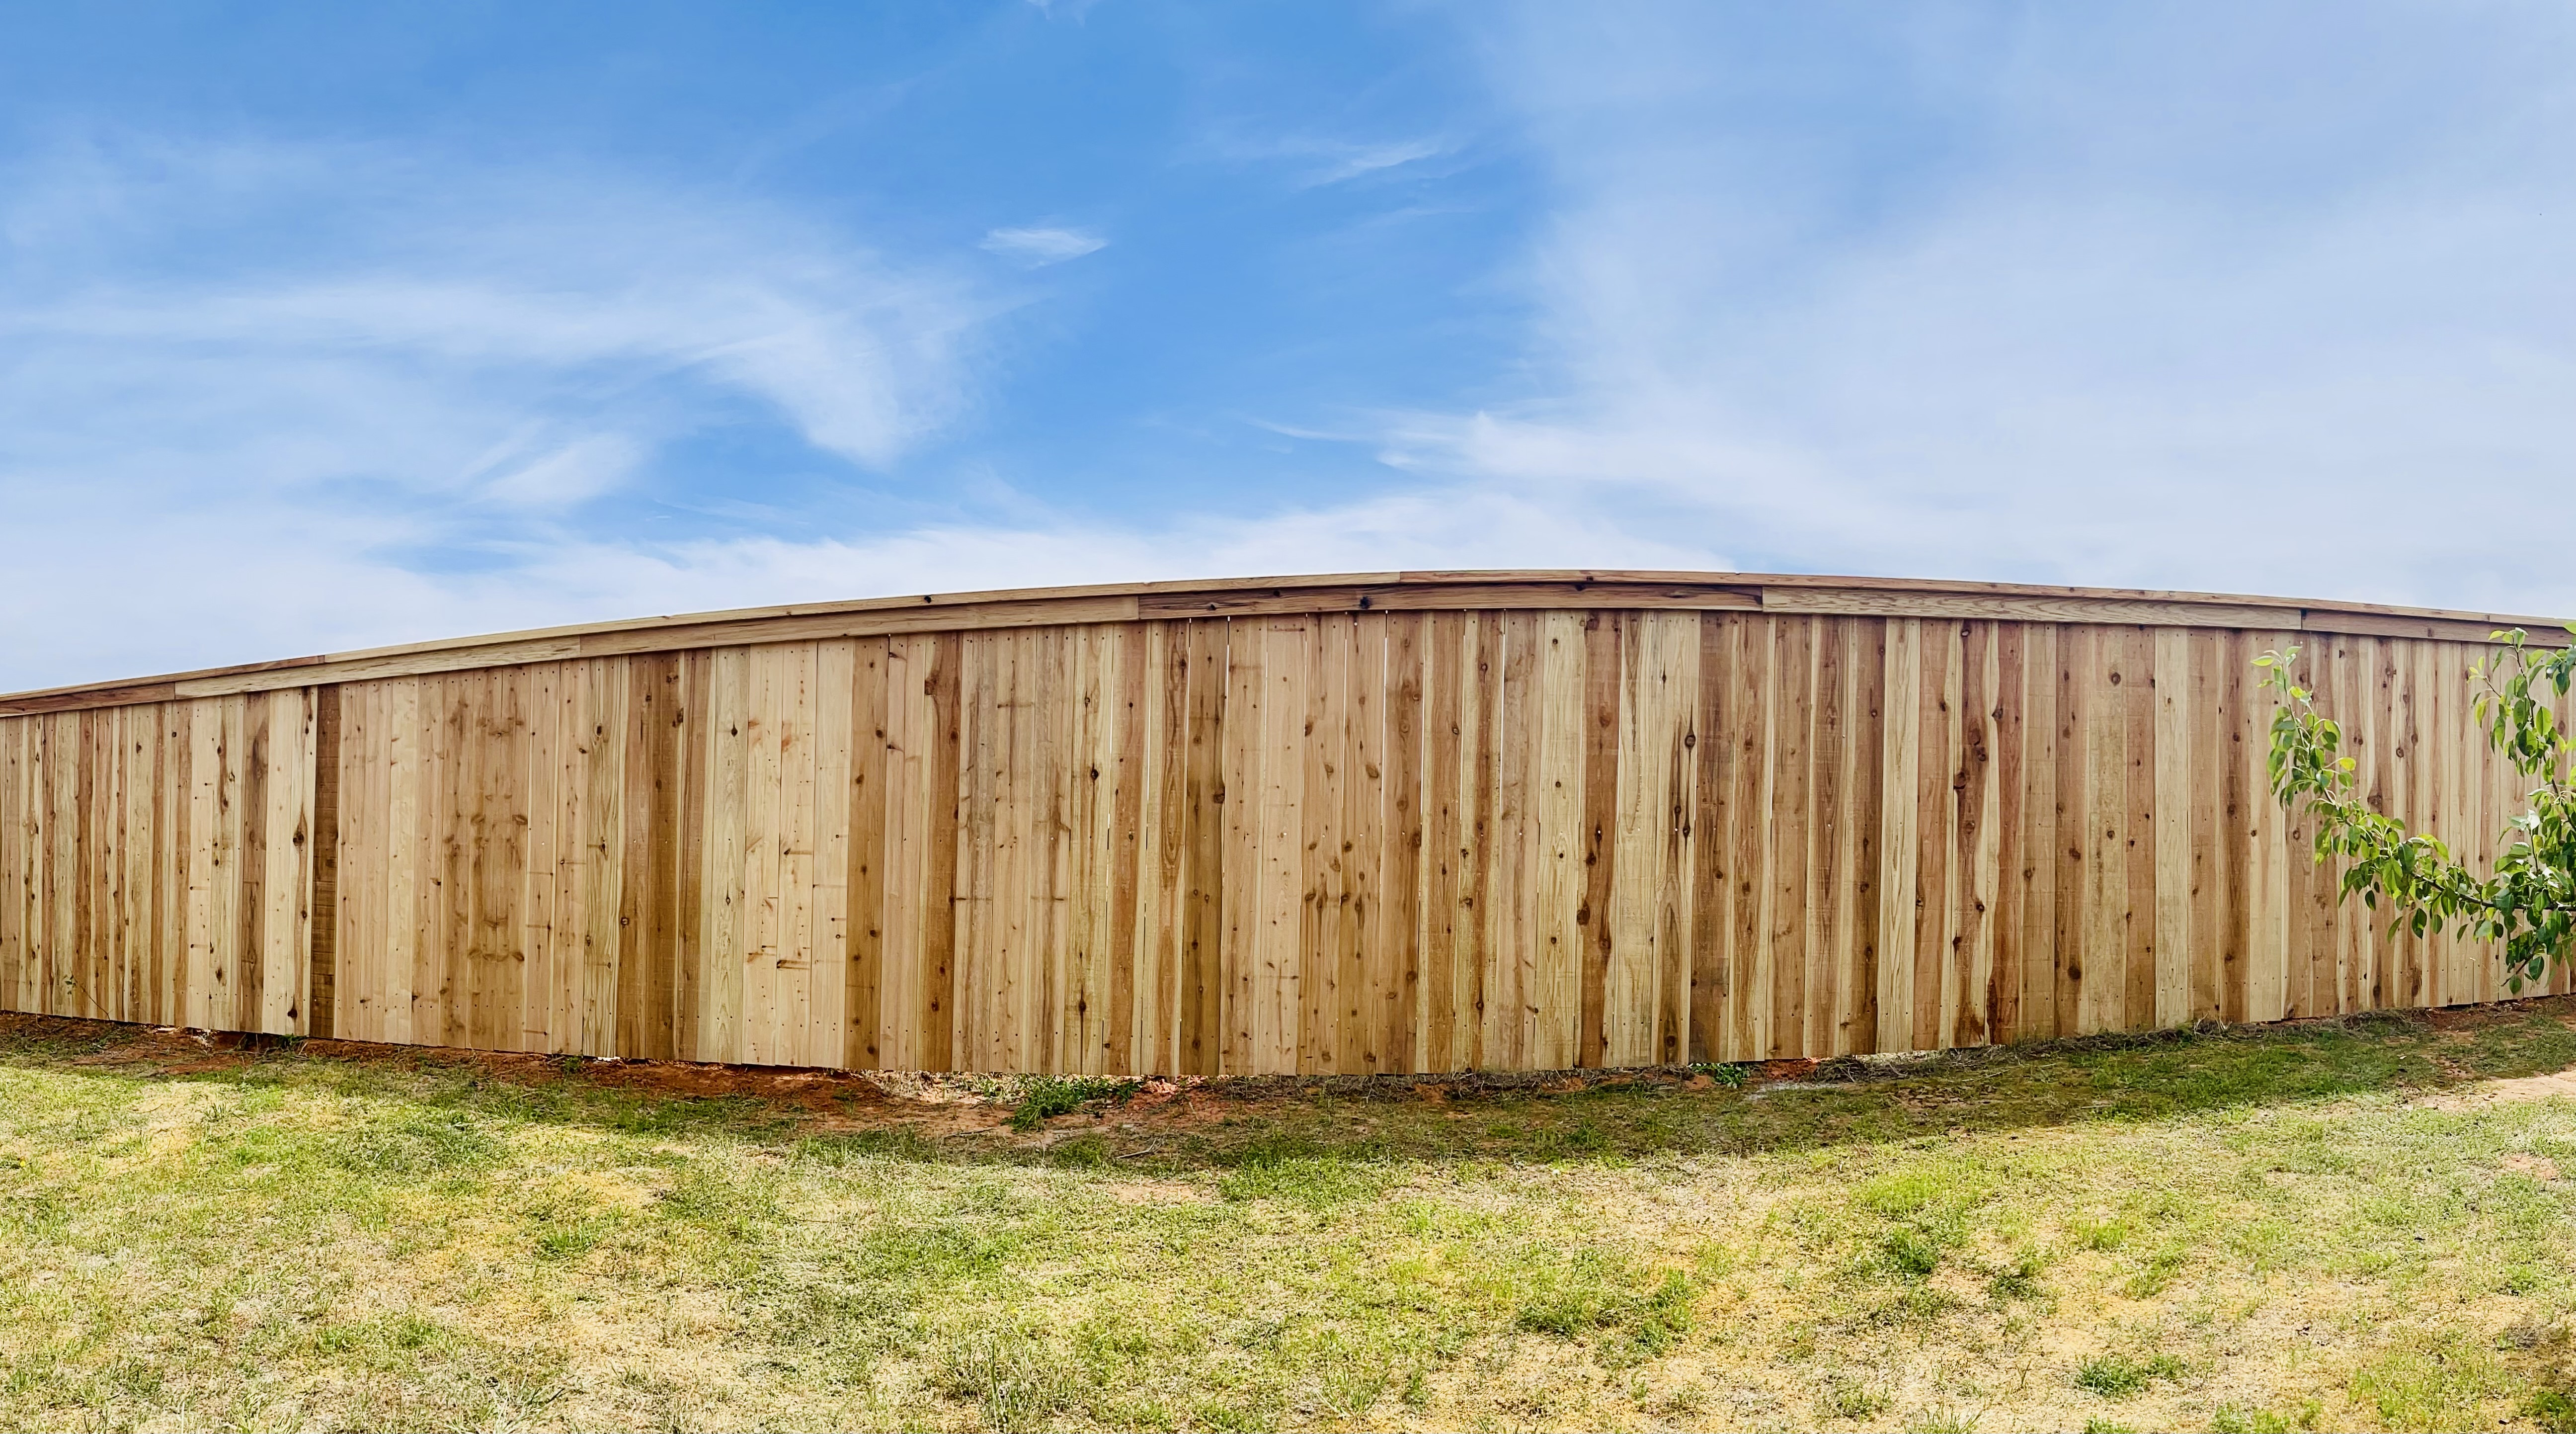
1748 735
1201 650
1397 1034
1163 948
1868 745
1443 783
1711 834
862 1006
2236 793
251 864
1829 822
2012 887
1126 844
1975 748
2074 821
502 858
688 934
1602 647
939 993
1363 826
454 772
88 978
1786 936
486 940
648 957
1480 772
322 997
2138 699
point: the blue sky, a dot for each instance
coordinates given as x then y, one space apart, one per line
326 326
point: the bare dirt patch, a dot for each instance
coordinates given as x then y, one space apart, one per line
2504 1092
944 1106
929 1103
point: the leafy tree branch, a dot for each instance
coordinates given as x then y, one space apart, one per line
2528 902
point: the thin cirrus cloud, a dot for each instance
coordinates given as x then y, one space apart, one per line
2145 300
1314 161
555 476
1036 248
511 294
1350 161
300 395
433 418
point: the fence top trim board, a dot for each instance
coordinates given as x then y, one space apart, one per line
1332 592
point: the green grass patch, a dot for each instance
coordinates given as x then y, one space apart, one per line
2236 1419
2266 1230
2115 1376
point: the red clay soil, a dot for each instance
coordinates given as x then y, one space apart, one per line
937 1104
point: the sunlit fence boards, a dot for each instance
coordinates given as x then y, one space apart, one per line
1393 823
156 862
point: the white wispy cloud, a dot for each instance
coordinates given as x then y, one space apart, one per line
281 391
2194 299
238 451
1316 160
562 476
1037 248
1338 162
505 293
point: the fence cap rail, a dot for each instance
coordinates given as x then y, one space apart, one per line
1328 592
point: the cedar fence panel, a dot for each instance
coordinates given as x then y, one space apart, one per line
1453 822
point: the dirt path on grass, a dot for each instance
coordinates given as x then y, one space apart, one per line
2504 1092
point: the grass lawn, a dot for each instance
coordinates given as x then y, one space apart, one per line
2322 1226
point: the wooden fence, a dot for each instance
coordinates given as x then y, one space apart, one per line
1397 823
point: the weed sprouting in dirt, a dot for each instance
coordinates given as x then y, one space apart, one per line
2552 1409
1909 1252
2237 1419
1017 1383
1853 1399
1044 1097
2117 1376
2098 1234
1603 1294
2018 1277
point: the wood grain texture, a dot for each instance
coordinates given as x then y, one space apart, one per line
157 862
1296 834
